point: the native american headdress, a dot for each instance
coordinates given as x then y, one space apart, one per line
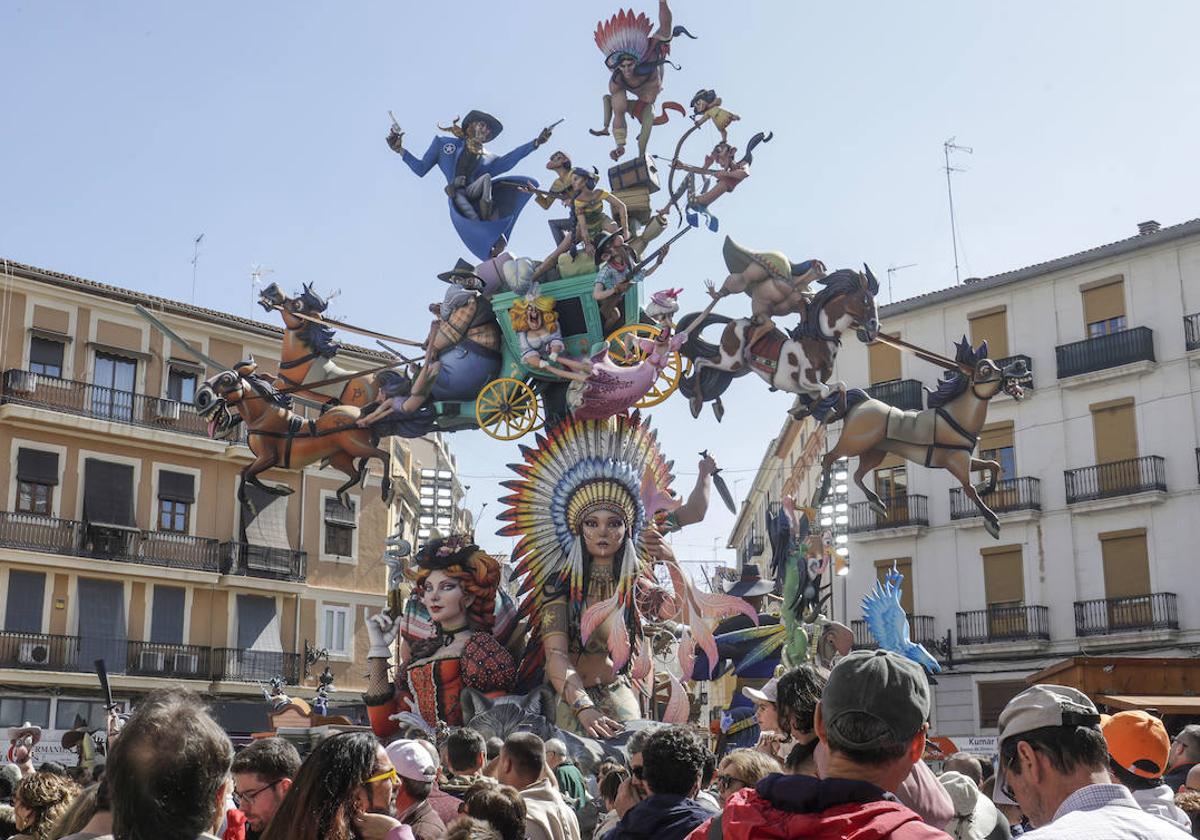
624 35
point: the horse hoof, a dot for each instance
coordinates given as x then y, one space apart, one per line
993 528
879 509
282 490
984 488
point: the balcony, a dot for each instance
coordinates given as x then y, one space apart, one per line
259 561
902 393
1136 614
1191 331
1017 357
1010 495
920 630
1003 624
906 511
1106 351
1146 474
237 665
49 535
156 659
41 652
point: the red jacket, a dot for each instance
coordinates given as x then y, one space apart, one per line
807 808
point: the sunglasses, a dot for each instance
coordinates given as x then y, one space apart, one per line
725 781
1006 788
638 772
388 774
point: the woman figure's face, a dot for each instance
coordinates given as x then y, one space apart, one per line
578 183
535 318
603 534
767 717
445 599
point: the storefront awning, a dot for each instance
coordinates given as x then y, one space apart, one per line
1165 704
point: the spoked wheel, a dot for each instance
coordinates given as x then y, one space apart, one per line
507 409
624 351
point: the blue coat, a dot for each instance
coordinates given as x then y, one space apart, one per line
479 236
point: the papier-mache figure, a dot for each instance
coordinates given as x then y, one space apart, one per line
617 270
21 741
483 206
636 53
535 321
729 173
706 106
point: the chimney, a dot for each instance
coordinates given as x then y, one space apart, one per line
1146 228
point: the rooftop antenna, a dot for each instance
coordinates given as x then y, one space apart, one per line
257 272
948 147
195 261
892 269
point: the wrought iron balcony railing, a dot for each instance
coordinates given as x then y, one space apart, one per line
41 652
1117 478
237 665
1105 351
1003 624
1155 611
905 394
1011 494
902 511
238 558
920 629
156 659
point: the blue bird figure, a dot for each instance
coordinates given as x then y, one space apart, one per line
889 625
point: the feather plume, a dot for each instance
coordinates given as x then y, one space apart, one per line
678 705
687 655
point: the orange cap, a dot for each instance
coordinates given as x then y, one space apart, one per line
1138 742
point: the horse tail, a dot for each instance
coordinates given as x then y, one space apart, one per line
696 347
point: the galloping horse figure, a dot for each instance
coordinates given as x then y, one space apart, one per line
943 435
800 361
281 438
308 351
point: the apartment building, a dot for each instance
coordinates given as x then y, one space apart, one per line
441 503
1100 499
121 534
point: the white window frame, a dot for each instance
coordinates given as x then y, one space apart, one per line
56 500
324 610
352 560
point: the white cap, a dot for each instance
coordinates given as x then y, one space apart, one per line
766 694
412 761
1037 707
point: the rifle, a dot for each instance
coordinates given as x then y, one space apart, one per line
658 251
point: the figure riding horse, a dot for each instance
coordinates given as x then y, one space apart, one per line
278 437
944 435
799 361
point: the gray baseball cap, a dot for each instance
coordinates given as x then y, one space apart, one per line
1038 707
884 686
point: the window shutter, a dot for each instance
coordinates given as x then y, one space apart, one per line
1115 430
883 362
37 466
992 328
178 487
1126 563
338 514
26 591
996 436
166 621
1003 579
904 567
108 493
1104 302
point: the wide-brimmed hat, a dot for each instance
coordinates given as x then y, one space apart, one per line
462 269
29 729
604 240
974 814
482 116
750 583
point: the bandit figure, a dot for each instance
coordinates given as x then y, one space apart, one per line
483 207
706 105
635 53
728 175
560 187
590 218
617 271
463 313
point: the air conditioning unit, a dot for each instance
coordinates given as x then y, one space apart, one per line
186 663
151 661
34 653
21 382
164 410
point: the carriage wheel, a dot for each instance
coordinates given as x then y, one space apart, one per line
624 352
506 409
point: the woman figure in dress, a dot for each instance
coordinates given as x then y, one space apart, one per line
456 585
535 321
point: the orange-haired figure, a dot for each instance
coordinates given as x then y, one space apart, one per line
535 321
456 582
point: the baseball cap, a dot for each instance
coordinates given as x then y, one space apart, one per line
879 684
412 761
1138 742
1038 707
766 694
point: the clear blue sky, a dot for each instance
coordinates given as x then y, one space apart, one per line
129 128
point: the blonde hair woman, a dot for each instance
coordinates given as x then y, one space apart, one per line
743 768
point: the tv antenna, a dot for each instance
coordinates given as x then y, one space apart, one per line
948 147
195 262
892 269
257 272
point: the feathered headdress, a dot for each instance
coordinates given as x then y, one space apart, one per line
577 468
624 35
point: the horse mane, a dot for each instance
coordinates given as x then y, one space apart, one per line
319 339
266 389
949 386
843 281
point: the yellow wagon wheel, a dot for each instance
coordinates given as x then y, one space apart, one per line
506 409
624 351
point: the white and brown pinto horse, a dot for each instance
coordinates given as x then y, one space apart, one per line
799 361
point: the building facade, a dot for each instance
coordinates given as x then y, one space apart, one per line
1099 501
121 534
440 507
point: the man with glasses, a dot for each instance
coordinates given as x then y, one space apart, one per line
1185 754
262 776
1054 763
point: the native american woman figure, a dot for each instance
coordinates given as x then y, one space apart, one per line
456 583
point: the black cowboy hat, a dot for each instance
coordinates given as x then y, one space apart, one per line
462 269
483 116
603 241
750 583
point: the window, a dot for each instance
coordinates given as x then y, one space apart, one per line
335 639
1003 579
891 483
176 494
46 357
1106 327
993 697
1104 307
15 711
33 497
114 378
107 493
1126 563
903 566
339 528
37 474
883 361
70 713
23 604
166 620
1115 429
992 328
181 385
996 444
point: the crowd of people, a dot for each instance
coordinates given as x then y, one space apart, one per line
854 767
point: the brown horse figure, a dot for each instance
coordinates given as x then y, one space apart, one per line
943 435
308 351
279 437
